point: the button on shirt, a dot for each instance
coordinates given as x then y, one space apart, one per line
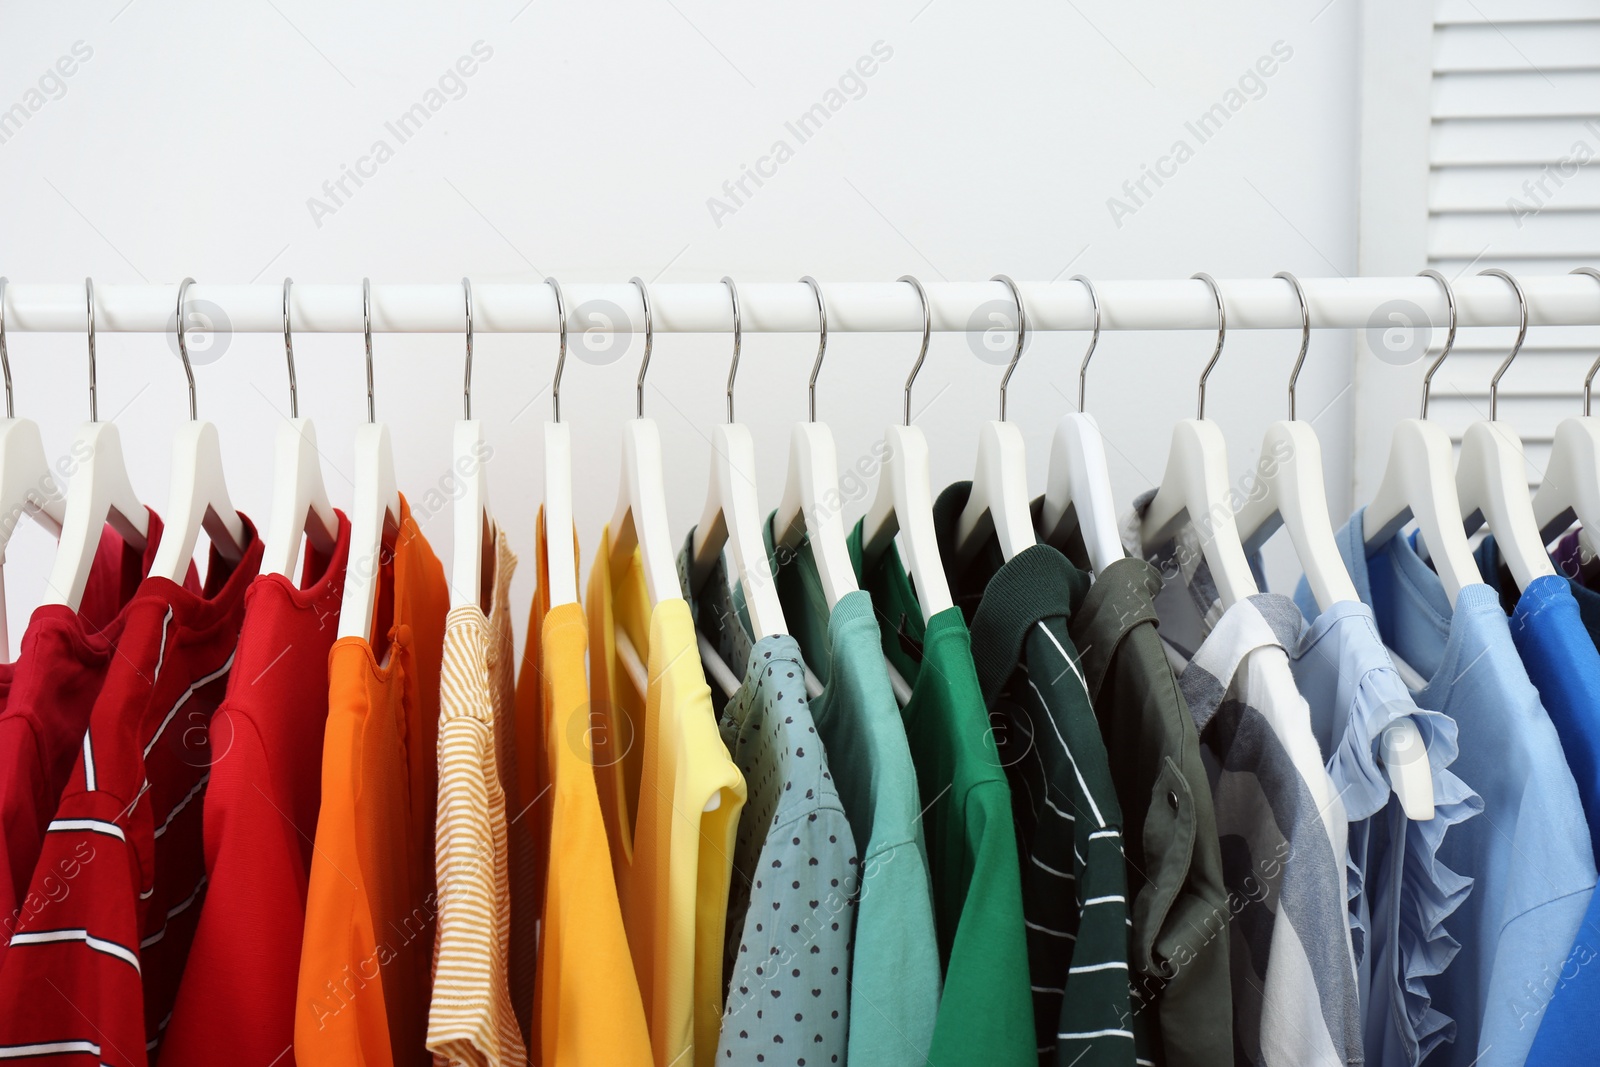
1069 822
986 1010
1565 668
98 967
1169 826
1529 853
791 911
1282 825
894 966
1401 893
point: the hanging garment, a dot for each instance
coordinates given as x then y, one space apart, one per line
1401 894
1564 667
1529 853
237 999
671 799
46 696
894 959
986 1008
1068 818
588 1007
791 908
362 994
1174 861
1281 823
98 966
1584 578
470 1019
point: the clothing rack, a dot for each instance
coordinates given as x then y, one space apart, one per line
791 307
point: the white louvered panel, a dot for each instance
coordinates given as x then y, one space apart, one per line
1514 182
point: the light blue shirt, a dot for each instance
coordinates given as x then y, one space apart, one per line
1528 853
1401 893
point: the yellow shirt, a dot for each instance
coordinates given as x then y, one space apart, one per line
587 1005
660 764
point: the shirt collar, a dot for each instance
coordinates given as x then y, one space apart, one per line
1121 598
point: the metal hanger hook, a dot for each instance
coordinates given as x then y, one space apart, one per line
1449 337
561 353
927 335
5 356
822 347
733 367
183 346
649 342
1588 379
366 330
466 389
1022 338
1522 333
288 352
1094 341
88 297
1222 335
1305 334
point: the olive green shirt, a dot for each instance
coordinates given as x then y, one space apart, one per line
986 1012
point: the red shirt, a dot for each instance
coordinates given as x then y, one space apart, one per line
237 1000
98 965
47 694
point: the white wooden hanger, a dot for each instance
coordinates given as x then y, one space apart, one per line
904 500
811 499
1491 480
1077 490
1571 486
100 492
999 502
640 520
199 497
1292 492
733 515
1195 488
559 548
27 486
1290 472
472 524
375 513
299 498
1419 483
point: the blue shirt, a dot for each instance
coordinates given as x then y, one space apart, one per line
1401 893
1529 853
1563 665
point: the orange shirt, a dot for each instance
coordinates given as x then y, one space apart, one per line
365 962
588 1008
671 797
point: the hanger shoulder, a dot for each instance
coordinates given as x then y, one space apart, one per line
1492 486
811 502
470 516
1195 486
374 514
1419 483
199 499
100 492
299 500
641 516
913 504
734 512
558 537
1078 491
1570 488
1291 493
999 500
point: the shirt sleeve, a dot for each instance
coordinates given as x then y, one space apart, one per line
75 960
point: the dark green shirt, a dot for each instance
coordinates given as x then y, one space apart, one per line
1069 821
985 1013
1180 965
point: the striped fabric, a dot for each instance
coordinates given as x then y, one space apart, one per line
471 1020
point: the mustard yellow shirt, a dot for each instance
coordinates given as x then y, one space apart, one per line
671 799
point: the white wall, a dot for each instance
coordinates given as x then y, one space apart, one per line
587 143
